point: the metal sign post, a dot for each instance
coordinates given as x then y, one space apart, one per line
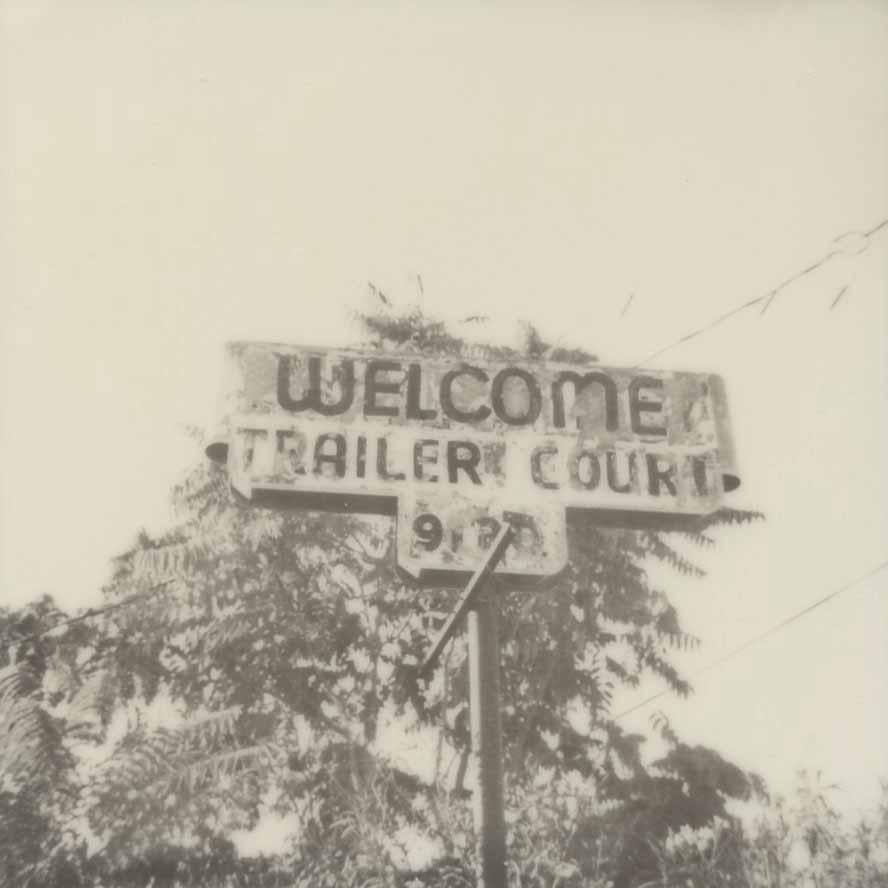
479 601
470 594
487 747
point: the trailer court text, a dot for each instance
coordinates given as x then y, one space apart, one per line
453 441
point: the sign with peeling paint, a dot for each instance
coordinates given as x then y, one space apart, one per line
454 446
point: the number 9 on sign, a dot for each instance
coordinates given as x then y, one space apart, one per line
428 531
453 535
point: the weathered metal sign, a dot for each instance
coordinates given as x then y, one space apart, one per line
453 447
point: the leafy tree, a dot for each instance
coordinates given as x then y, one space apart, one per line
801 842
44 709
280 648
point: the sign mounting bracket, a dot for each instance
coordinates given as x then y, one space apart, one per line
467 600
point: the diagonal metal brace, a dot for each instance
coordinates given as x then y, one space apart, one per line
470 593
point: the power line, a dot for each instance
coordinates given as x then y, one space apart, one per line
769 297
93 612
773 630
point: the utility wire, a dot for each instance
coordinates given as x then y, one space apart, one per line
94 612
769 297
773 630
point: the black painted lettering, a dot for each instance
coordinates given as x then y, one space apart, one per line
608 388
429 531
449 408
291 452
488 528
534 397
658 475
701 480
613 481
323 457
250 439
637 406
415 410
361 457
536 466
311 399
585 469
463 455
528 538
382 468
373 386
421 458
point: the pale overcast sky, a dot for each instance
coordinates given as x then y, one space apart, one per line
176 175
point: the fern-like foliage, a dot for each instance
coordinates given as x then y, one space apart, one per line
662 551
30 740
735 517
44 704
220 758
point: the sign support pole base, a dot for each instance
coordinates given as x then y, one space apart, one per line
484 696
